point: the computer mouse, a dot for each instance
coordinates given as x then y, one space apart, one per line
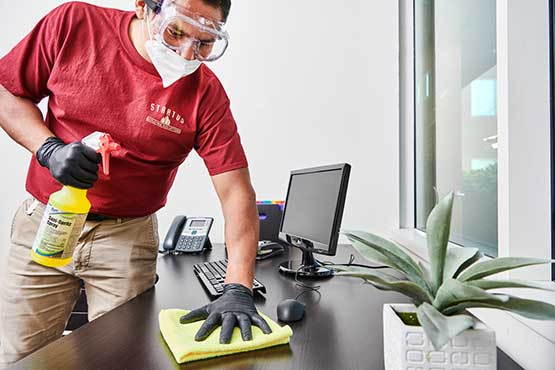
290 310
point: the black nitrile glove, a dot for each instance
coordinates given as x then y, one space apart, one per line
234 308
73 164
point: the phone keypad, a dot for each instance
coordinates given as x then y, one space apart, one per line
190 243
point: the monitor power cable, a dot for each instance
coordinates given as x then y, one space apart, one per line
350 263
309 288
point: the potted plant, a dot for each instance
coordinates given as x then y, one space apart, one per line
437 330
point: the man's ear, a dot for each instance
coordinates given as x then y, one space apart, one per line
140 9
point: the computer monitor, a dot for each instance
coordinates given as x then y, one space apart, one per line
312 216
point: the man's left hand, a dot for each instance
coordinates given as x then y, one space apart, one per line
234 308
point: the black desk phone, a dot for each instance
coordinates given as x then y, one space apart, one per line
188 235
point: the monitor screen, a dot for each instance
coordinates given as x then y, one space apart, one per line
314 204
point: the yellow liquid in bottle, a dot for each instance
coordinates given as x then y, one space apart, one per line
61 225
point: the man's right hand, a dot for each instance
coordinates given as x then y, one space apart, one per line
74 164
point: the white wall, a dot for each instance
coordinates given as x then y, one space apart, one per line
311 83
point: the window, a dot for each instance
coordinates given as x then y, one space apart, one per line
523 133
552 93
519 164
455 106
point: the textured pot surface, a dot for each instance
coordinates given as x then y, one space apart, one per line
408 348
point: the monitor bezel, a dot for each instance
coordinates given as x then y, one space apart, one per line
314 246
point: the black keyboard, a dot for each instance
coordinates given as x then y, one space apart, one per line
212 275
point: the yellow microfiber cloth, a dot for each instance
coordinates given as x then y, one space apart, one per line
181 338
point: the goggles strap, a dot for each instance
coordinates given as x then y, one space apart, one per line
155 6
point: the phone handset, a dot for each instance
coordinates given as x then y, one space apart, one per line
188 235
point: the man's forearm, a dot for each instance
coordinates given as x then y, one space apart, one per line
241 234
22 121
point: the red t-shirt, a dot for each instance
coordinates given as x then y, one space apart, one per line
82 58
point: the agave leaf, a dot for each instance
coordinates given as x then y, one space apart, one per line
453 291
425 273
494 266
371 254
496 284
384 281
390 250
457 259
525 307
399 260
437 236
396 275
386 274
440 328
468 263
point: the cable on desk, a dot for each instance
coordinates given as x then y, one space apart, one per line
350 263
307 288
316 288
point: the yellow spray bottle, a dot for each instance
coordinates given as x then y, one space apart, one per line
66 212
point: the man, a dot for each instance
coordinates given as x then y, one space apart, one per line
142 78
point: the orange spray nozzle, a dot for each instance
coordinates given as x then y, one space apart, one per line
106 146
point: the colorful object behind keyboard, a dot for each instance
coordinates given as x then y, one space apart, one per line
280 203
180 338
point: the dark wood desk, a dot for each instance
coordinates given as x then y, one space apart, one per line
342 329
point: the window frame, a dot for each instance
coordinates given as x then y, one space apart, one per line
512 236
536 334
552 101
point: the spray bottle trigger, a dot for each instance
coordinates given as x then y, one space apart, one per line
107 145
104 144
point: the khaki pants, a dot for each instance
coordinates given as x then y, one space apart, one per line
116 259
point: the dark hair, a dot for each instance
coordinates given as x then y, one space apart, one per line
223 5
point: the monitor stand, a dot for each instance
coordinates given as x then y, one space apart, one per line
307 267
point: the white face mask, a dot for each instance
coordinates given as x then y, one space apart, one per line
170 66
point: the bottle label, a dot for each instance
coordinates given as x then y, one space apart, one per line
58 233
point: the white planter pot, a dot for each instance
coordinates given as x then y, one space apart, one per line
408 348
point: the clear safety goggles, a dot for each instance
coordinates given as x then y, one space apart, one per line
179 29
